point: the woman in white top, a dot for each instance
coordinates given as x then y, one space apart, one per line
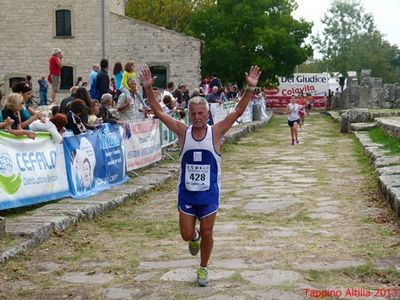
294 119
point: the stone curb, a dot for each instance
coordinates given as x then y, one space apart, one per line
391 126
388 169
335 115
37 226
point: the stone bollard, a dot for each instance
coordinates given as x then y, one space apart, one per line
2 226
257 111
345 122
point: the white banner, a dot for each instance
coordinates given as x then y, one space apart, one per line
315 84
31 171
142 143
217 111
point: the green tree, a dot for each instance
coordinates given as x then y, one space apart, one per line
240 33
351 42
171 14
345 22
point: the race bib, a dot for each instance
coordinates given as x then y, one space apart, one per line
197 178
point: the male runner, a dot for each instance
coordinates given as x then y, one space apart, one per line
199 184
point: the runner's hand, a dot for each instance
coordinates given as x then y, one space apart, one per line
253 76
146 78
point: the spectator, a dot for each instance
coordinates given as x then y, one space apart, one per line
102 79
55 110
66 101
130 104
168 91
79 82
94 94
43 86
128 74
55 67
113 90
118 71
77 108
232 92
29 80
94 108
83 94
104 113
27 113
215 82
214 97
12 106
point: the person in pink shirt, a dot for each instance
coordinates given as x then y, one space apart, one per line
55 67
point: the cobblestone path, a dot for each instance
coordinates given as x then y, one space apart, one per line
295 221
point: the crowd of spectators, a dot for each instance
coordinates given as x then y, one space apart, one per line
101 99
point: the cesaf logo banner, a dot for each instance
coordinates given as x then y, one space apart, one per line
31 171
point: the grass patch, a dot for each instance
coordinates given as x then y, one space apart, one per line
392 144
238 278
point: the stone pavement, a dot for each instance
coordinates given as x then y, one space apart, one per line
294 221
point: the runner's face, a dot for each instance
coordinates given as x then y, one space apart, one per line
198 115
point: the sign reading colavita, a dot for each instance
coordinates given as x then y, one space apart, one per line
314 85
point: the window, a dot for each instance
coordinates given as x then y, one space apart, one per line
14 80
67 78
63 22
161 73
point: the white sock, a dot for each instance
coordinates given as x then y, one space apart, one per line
197 235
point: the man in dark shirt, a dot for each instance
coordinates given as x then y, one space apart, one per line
102 78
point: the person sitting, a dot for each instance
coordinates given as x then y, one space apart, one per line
94 109
171 108
104 112
26 114
76 109
11 113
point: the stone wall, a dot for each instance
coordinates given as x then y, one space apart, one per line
28 30
27 37
369 93
150 45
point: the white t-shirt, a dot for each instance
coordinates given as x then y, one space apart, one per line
293 111
47 127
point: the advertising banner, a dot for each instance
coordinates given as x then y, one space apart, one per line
247 115
95 161
315 84
31 171
142 143
217 111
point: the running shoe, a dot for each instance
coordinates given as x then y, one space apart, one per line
297 141
292 142
194 245
202 276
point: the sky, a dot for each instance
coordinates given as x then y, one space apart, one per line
385 12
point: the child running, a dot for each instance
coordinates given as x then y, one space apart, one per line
293 120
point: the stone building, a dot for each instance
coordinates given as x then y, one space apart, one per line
87 31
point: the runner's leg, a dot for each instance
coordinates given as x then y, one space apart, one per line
207 241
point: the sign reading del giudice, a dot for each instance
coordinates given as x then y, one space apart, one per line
314 84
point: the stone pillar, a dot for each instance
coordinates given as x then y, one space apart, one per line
345 122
